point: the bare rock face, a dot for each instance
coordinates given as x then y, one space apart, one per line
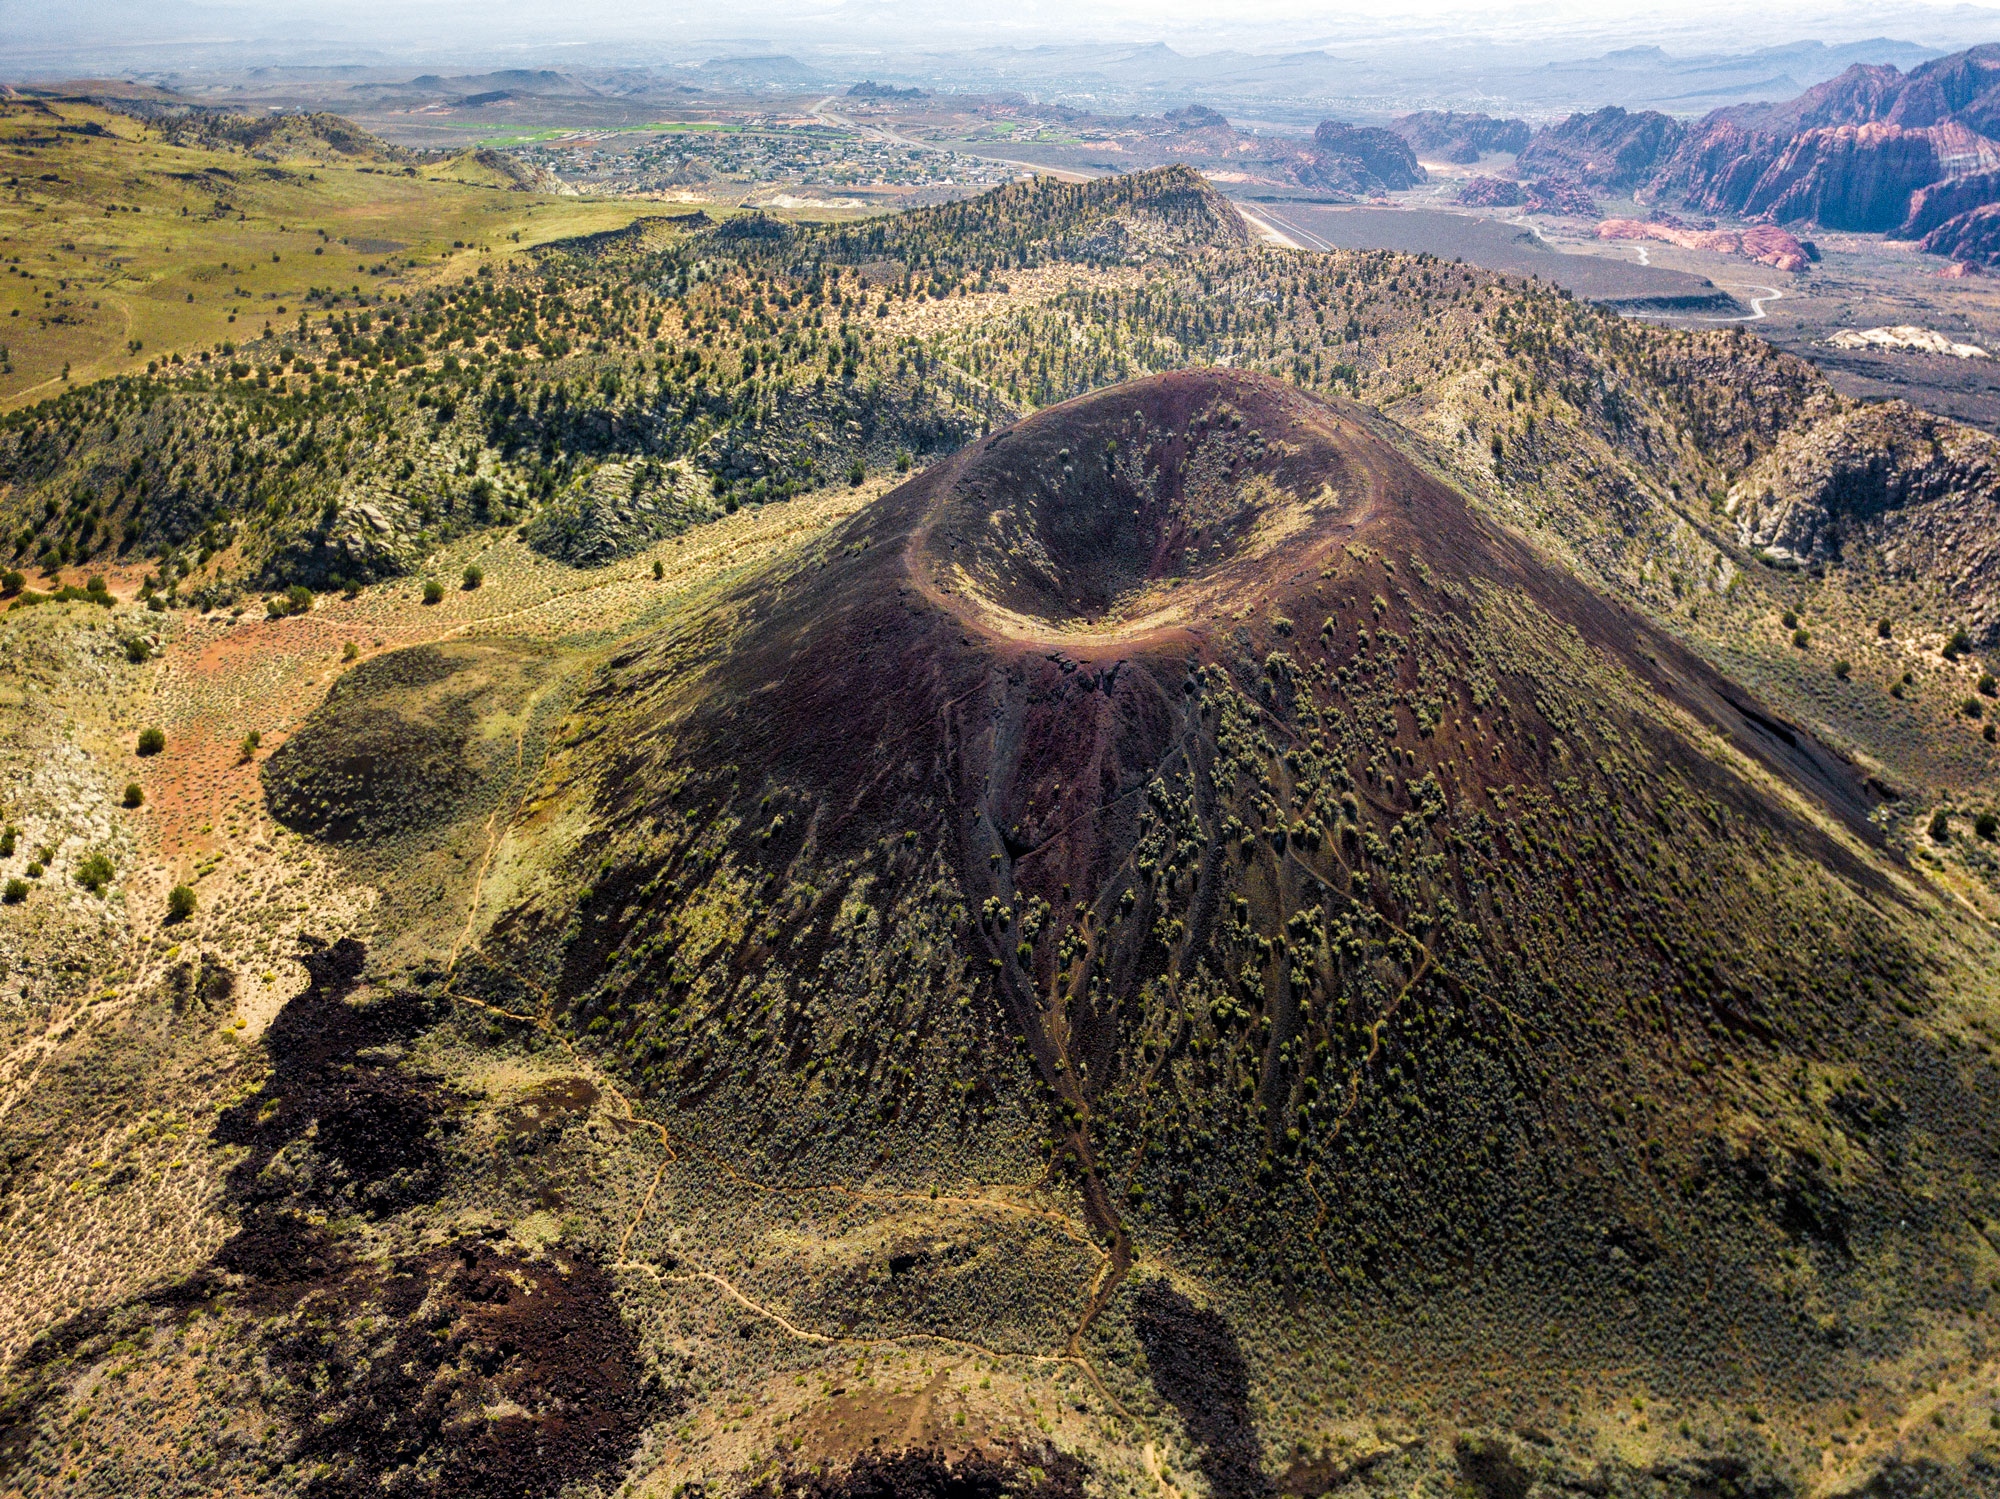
1863 176
1559 194
1889 486
1490 192
1858 177
1871 150
1970 238
1363 158
1934 206
1612 148
1962 88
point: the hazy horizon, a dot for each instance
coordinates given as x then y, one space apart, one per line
124 36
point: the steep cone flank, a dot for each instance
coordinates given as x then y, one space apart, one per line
1184 790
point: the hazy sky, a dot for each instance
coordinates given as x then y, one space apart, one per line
38 34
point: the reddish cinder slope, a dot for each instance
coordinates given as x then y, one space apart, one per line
1193 742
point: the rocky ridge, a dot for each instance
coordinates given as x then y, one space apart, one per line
1362 159
1885 486
1459 136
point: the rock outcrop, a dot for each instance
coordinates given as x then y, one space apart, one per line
1856 177
1490 192
1887 486
1934 206
1559 194
364 538
1970 238
1873 150
1613 148
1765 243
621 509
1458 136
1362 158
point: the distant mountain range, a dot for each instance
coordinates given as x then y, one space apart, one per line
1914 154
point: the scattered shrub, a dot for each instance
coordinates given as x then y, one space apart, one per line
1791 619
250 742
1987 825
1842 670
474 576
16 892
136 650
433 591
349 651
1801 639
151 741
95 872
135 795
659 570
180 903
1988 687
34 869
1941 826
1882 628
1972 708
856 472
7 842
1958 645
13 581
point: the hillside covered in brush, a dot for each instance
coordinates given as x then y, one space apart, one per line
613 390
1019 850
1413 963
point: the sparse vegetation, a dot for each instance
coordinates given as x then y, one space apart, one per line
95 871
719 936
